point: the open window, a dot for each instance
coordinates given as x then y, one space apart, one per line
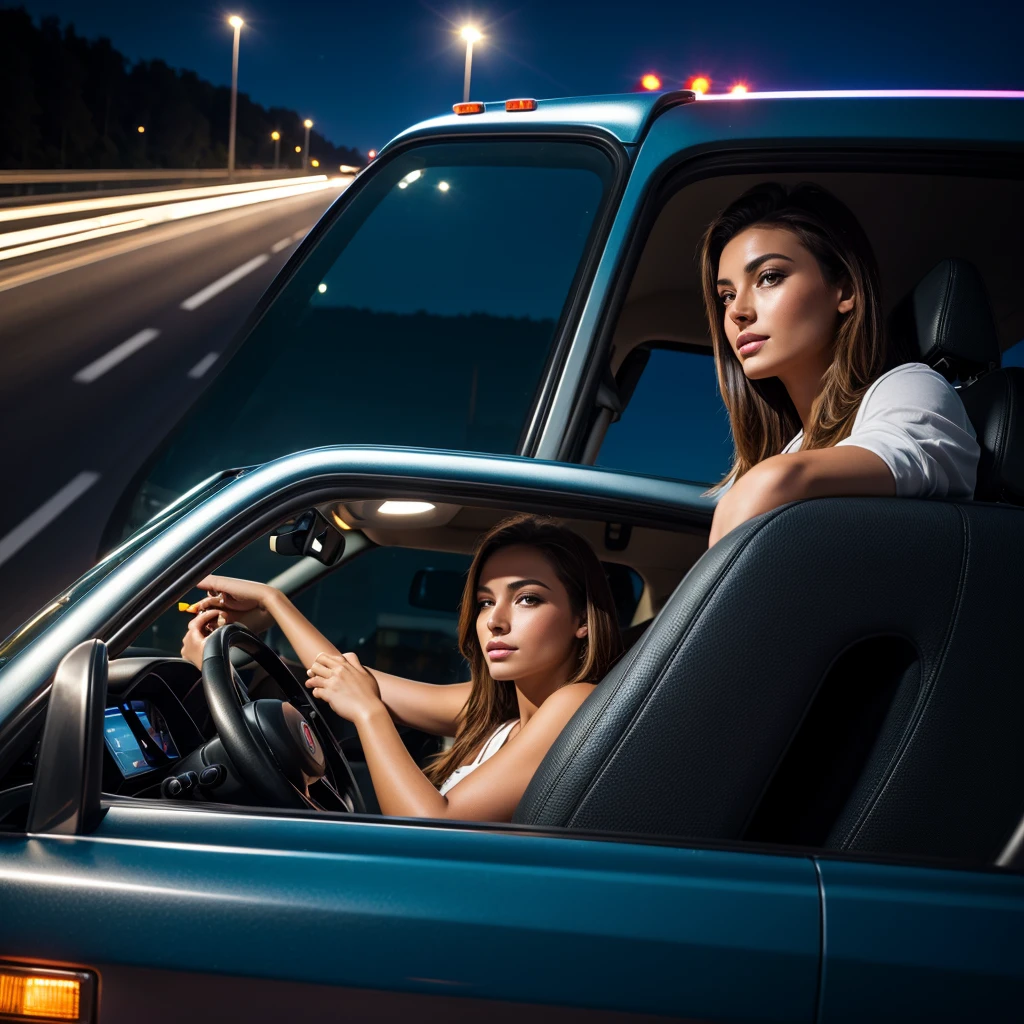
656 409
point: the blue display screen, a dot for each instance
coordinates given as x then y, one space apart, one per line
127 748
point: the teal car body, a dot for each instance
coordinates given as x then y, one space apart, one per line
271 914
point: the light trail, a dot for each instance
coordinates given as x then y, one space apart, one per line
120 202
33 240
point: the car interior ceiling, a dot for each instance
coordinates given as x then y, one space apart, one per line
912 220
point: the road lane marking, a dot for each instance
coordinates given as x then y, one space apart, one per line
300 235
116 355
203 365
46 514
283 244
195 301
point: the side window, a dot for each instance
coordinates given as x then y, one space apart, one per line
1014 355
674 424
369 606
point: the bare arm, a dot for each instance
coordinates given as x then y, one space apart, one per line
490 793
823 473
434 709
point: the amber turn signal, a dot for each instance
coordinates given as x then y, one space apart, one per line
468 108
41 994
511 106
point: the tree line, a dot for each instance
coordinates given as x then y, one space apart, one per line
75 103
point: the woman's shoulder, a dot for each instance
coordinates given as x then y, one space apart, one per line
913 385
563 703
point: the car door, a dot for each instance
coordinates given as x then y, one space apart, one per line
200 914
920 943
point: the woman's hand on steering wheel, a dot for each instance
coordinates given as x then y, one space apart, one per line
342 681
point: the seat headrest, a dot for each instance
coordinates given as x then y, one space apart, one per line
946 321
995 405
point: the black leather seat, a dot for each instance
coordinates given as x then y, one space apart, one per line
841 672
947 321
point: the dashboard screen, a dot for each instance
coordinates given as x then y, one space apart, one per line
140 749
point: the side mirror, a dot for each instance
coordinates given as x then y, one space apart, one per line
311 534
437 590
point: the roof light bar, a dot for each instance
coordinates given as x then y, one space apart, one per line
468 108
511 106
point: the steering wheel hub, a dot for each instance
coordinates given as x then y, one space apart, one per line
292 742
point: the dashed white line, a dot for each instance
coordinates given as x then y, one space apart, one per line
283 244
300 235
207 293
46 514
100 366
203 365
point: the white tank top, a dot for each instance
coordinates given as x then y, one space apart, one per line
490 748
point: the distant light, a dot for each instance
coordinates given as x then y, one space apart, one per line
651 82
276 136
372 154
307 123
739 89
405 508
347 169
410 178
235 21
700 84
471 34
141 129
443 186
314 163
403 184
321 287
298 149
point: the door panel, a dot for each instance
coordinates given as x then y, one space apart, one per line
421 910
917 943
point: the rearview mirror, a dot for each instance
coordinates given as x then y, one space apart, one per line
437 590
311 534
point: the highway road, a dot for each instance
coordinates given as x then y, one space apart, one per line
105 344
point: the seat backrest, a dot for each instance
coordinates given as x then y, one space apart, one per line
947 320
731 707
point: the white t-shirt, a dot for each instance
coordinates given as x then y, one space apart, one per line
913 420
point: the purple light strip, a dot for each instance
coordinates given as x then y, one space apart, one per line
853 94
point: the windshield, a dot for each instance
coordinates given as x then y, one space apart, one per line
163 517
424 316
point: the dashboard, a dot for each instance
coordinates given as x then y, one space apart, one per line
156 714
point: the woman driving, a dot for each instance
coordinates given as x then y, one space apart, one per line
538 629
817 405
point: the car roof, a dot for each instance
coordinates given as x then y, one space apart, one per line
626 116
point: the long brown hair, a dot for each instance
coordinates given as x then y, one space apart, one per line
493 702
761 414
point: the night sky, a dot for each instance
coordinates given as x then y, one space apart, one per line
365 70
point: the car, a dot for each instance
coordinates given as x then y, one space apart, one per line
799 795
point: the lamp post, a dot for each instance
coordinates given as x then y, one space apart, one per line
307 124
276 136
471 35
236 23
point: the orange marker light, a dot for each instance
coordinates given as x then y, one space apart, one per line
34 994
513 105
651 82
468 108
739 89
700 84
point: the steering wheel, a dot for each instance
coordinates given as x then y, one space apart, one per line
279 748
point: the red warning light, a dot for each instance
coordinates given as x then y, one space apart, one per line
699 84
651 82
372 154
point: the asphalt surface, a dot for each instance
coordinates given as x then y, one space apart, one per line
104 347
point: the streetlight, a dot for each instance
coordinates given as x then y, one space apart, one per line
471 35
307 124
236 23
276 136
